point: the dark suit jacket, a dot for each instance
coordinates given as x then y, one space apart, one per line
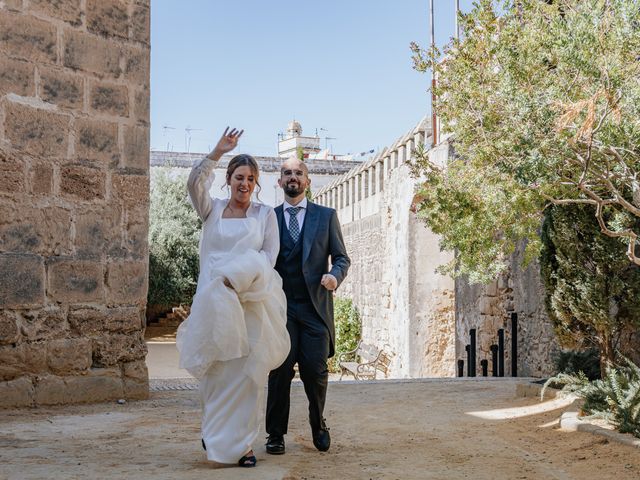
322 241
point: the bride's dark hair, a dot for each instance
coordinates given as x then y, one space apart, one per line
245 160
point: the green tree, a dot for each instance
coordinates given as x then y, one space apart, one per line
543 102
174 232
591 289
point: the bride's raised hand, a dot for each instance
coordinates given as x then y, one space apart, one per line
229 140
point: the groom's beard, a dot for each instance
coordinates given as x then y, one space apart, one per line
293 189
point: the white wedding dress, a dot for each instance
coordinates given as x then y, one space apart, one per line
233 337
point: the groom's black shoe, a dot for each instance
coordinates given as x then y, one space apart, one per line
275 444
321 438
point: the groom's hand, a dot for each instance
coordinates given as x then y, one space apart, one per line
329 282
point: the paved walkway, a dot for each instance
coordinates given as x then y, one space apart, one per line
438 429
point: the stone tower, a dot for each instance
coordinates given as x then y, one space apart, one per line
74 192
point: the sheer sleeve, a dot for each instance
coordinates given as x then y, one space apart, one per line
198 185
271 242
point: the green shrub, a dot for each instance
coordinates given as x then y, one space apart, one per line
585 361
348 328
174 232
615 398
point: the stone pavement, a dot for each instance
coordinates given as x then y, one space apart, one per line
421 429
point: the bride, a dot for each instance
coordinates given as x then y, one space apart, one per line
236 332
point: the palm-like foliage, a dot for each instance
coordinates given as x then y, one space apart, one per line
615 398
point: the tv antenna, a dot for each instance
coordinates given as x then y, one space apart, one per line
164 134
187 137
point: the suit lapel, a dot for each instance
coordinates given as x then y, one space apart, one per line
280 217
310 226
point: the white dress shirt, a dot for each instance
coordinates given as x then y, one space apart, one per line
301 212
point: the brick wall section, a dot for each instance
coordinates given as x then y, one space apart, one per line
74 156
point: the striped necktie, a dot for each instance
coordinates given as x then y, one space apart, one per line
294 227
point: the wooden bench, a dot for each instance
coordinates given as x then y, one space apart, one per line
372 361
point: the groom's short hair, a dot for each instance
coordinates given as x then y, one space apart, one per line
303 165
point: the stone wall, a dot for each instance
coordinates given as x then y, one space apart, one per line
424 318
406 308
74 155
488 308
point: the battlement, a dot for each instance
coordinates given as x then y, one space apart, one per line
355 193
266 164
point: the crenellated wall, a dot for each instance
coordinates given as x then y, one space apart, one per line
421 317
74 156
406 307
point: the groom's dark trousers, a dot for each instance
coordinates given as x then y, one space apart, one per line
301 265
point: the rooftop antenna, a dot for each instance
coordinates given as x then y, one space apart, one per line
164 134
187 137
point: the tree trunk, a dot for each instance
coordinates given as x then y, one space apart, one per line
607 352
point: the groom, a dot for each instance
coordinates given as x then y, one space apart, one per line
310 238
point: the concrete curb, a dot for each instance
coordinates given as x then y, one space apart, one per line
532 389
569 421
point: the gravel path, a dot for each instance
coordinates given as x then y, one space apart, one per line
432 429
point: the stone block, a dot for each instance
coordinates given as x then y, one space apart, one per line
109 98
69 11
11 172
9 331
91 321
61 88
84 183
70 281
136 148
485 306
27 38
69 355
89 53
44 324
491 289
16 77
137 66
135 389
136 380
41 179
50 390
19 359
124 319
137 236
74 280
36 230
141 107
99 384
87 320
21 280
127 282
36 131
11 5
140 24
130 190
108 17
98 231
110 350
97 141
17 393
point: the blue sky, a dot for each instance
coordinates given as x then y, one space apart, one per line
341 65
